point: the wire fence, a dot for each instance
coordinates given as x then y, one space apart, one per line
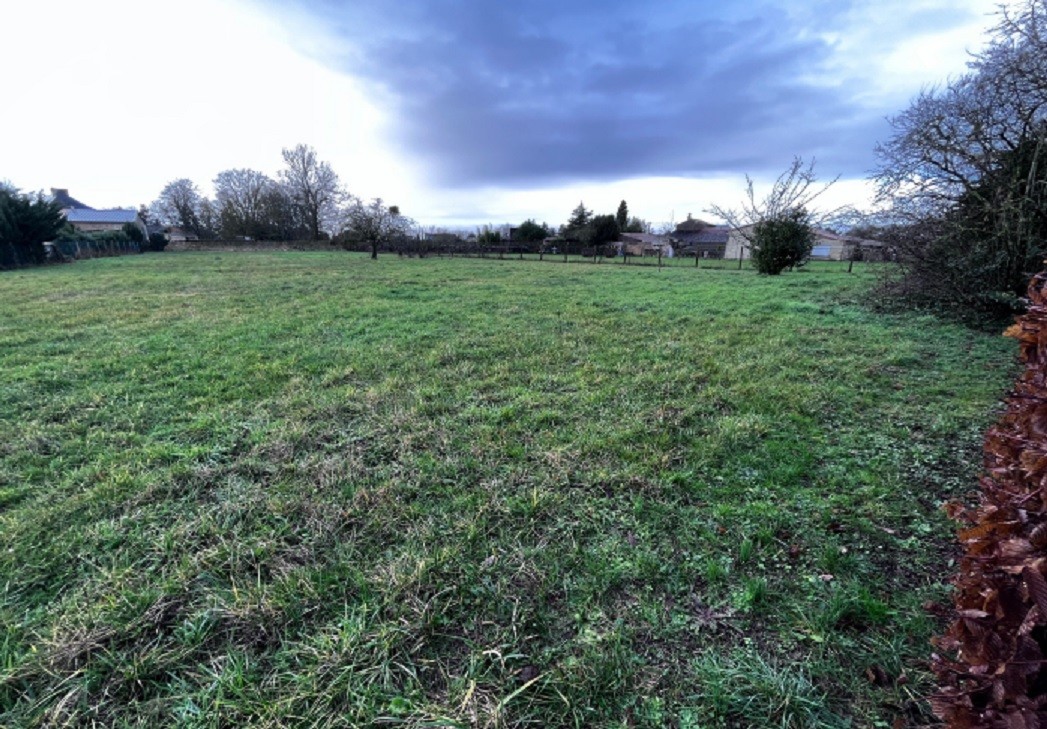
86 248
12 256
602 256
504 253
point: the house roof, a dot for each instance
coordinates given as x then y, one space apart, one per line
78 215
692 225
828 235
647 238
61 196
713 234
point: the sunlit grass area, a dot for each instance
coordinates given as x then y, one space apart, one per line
313 489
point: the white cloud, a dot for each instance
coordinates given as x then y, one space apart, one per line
885 57
114 98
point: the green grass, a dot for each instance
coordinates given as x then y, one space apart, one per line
312 489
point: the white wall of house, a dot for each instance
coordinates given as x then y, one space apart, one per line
737 245
827 247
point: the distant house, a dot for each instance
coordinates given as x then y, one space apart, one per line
692 225
645 244
67 202
176 234
828 246
874 250
704 241
92 221
695 237
88 220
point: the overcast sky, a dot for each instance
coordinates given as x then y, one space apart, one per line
469 111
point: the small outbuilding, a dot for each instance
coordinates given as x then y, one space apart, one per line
645 244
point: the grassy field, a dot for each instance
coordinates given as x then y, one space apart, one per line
310 489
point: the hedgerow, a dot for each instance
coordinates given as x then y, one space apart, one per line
994 669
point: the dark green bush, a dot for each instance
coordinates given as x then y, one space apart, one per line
133 233
26 222
782 242
157 242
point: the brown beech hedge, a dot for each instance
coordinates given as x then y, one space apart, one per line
992 670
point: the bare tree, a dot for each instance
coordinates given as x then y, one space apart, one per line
778 228
373 224
282 219
797 188
209 218
242 198
964 173
313 187
179 204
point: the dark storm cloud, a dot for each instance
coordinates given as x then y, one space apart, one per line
514 93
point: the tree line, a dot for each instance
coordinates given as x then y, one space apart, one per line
306 201
595 230
582 227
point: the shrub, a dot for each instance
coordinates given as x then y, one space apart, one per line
157 242
782 242
133 233
532 231
965 180
110 238
26 222
604 229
